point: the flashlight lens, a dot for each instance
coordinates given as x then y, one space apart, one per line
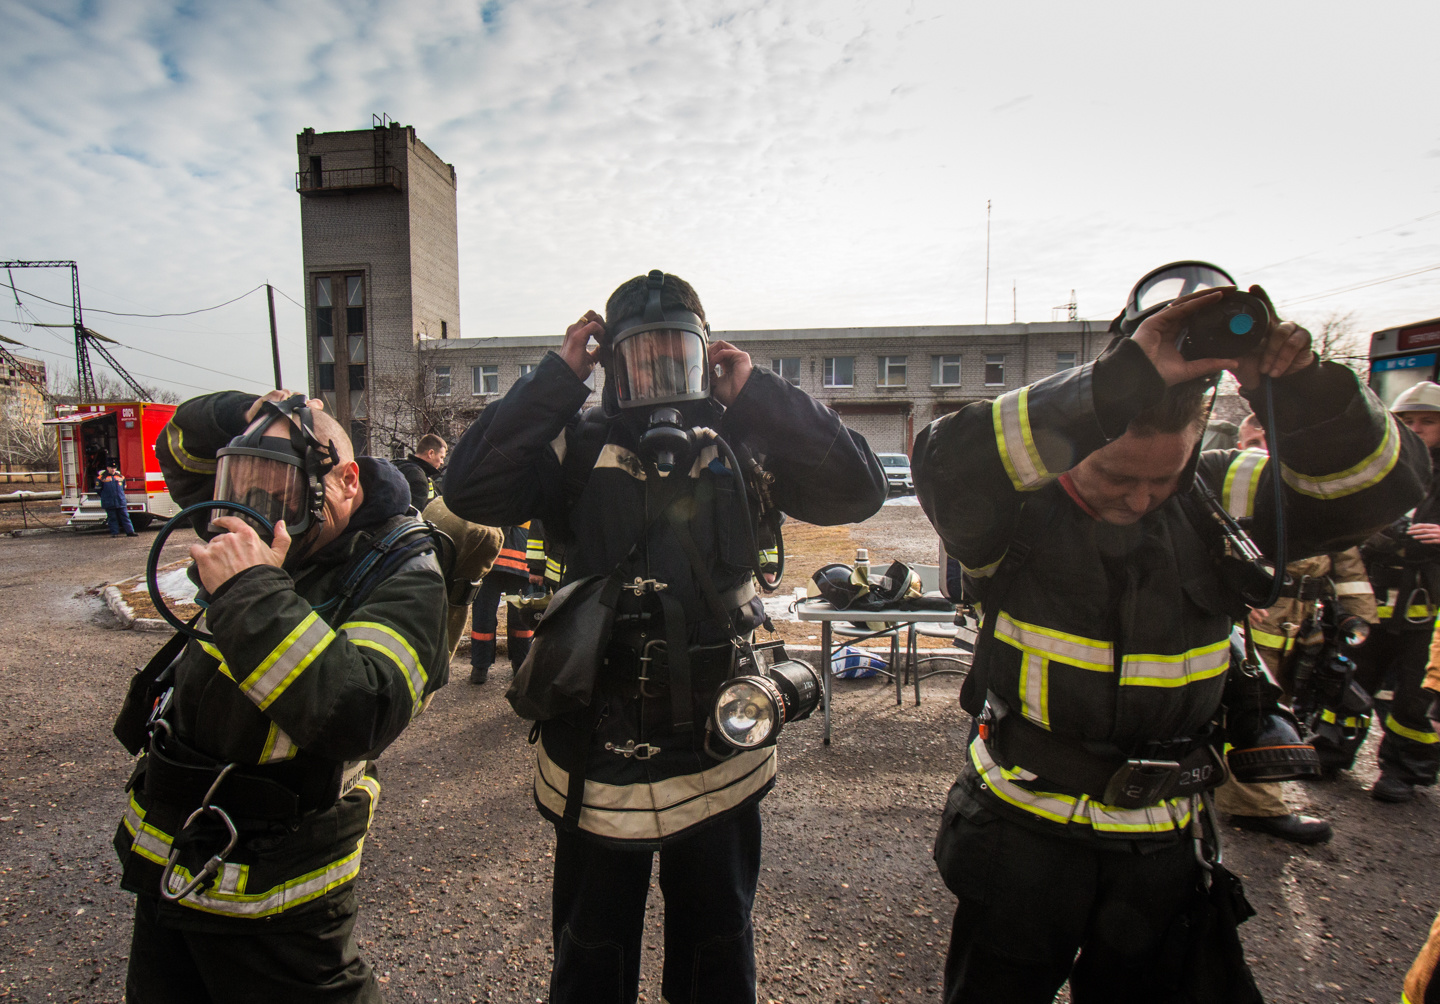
745 714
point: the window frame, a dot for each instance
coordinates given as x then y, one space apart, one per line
995 359
482 375
937 369
885 366
777 366
1074 360
436 374
827 372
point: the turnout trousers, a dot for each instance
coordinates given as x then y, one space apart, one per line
484 619
171 965
1029 903
1410 750
708 881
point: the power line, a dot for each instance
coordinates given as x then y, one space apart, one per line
1358 285
289 297
118 313
148 376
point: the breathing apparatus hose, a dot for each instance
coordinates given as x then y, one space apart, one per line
1276 482
744 494
152 566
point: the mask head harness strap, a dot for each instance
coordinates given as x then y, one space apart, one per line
654 283
308 452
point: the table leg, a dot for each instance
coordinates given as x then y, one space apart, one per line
915 662
897 663
825 673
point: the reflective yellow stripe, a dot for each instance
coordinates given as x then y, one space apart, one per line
149 843
381 638
1415 735
1175 670
1073 649
1173 814
1011 416
535 550
1353 479
187 461
287 661
1242 480
1361 588
1265 639
278 746
985 571
293 892
1348 722
1417 612
214 653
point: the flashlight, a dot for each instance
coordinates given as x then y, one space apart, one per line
749 711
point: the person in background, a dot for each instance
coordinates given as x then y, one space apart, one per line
422 470
111 485
510 574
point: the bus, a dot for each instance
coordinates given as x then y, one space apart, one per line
1402 357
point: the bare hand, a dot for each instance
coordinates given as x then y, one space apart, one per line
1286 350
536 580
733 367
1428 533
577 337
231 553
1158 333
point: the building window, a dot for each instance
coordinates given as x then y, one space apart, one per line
787 368
945 371
444 330
325 343
527 368
839 372
355 343
1065 361
486 379
891 371
442 381
994 369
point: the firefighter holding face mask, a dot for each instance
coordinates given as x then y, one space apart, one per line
249 808
648 488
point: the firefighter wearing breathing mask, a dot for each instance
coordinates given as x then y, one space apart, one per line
657 487
248 810
1106 652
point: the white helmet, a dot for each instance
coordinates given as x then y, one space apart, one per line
1424 396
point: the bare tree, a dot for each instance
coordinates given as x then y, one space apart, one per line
109 388
404 408
1336 340
24 442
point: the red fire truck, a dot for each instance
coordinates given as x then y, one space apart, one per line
124 431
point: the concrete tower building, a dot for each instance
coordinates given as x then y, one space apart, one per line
382 274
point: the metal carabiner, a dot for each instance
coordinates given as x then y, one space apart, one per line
212 867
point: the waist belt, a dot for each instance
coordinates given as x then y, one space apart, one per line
1169 770
1306 589
175 774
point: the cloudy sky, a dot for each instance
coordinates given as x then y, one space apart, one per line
802 162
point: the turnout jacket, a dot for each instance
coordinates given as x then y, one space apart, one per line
1118 636
421 477
532 455
1280 630
291 696
1405 572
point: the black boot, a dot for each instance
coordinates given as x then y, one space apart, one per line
1390 788
1295 828
479 674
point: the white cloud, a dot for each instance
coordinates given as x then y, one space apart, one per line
803 162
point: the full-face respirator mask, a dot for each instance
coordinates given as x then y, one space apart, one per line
1234 327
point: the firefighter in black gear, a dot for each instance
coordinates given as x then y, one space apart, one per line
509 575
1404 567
275 720
642 783
1108 641
422 470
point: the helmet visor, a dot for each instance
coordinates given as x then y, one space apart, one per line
1171 282
661 365
270 481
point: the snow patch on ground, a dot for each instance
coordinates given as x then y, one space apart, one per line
176 586
903 500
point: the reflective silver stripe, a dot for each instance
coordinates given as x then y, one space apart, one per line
278 746
557 446
351 775
370 634
621 459
1353 479
1011 416
661 808
232 877
1175 670
1074 649
286 895
1035 685
1159 818
1361 588
149 842
287 661
1242 481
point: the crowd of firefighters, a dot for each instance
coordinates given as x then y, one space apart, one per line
1109 686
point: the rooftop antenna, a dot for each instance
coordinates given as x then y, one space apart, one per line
1072 309
1014 304
987 261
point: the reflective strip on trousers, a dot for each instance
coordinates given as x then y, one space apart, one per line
1414 735
1173 814
1354 478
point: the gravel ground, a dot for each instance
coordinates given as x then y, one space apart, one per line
455 886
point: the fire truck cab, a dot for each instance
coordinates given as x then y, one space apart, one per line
123 431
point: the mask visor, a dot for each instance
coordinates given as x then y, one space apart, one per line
660 365
1170 282
270 481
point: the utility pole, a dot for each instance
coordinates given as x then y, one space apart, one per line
1014 303
987 261
274 338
